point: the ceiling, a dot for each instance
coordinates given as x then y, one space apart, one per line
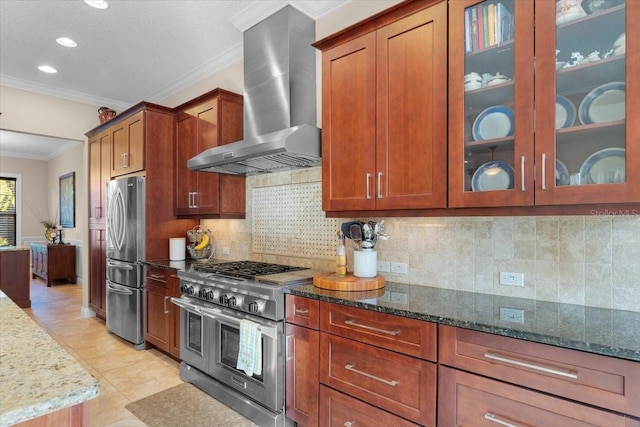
134 50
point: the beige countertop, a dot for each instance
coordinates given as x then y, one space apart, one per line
37 376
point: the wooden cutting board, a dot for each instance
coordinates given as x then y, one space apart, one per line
348 283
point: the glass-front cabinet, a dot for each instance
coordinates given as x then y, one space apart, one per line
538 105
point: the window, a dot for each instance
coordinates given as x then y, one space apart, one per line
8 215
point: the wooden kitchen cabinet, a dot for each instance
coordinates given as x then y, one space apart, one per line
384 360
471 400
520 141
97 270
99 175
210 120
154 152
53 262
127 145
383 116
598 381
162 318
302 360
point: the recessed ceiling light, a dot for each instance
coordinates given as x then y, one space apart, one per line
66 42
98 4
47 69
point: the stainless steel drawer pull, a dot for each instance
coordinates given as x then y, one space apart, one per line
522 174
544 171
567 374
348 423
371 328
491 417
166 309
373 377
302 311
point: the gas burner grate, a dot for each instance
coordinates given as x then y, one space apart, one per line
246 269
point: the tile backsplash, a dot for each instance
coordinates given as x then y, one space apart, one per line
591 260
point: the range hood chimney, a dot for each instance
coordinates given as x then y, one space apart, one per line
279 101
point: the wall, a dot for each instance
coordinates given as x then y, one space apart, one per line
586 260
34 113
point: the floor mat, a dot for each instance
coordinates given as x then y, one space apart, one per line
185 405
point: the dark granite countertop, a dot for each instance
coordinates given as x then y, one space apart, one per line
596 330
165 263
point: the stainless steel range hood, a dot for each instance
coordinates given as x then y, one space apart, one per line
279 101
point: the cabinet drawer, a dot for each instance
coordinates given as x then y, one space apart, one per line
465 399
156 275
400 384
590 378
337 409
302 311
408 336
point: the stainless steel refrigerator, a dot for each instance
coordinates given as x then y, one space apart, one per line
125 253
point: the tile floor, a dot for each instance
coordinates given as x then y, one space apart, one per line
125 374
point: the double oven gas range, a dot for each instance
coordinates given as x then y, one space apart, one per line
215 297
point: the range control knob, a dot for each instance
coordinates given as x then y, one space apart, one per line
224 299
235 301
211 295
256 306
188 289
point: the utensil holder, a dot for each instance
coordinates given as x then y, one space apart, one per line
365 263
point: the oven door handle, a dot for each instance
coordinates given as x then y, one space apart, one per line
212 313
270 331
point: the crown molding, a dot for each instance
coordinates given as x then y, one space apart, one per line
61 93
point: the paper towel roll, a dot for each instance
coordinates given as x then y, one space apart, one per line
177 249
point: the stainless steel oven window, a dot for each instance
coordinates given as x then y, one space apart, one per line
229 346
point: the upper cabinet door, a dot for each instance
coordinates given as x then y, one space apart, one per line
587 108
127 145
411 148
384 97
349 125
491 114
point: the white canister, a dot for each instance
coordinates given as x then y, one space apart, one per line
365 263
177 249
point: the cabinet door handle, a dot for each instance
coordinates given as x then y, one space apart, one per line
302 311
166 310
124 160
379 185
371 328
368 186
540 368
522 174
392 383
491 417
348 424
195 199
544 171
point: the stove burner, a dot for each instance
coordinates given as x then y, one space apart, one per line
246 269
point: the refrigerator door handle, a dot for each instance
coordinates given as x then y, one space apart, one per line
119 289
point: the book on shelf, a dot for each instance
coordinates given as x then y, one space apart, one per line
487 24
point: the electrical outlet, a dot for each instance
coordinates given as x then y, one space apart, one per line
386 297
225 251
398 297
511 279
399 267
384 266
512 314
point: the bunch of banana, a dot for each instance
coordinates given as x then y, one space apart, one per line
203 243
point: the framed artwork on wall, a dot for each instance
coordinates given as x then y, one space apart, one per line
68 200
